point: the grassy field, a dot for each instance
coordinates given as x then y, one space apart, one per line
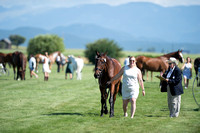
59 106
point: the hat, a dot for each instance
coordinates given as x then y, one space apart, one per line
172 60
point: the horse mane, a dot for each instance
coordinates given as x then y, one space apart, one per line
169 54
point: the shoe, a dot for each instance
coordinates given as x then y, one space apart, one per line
185 87
126 114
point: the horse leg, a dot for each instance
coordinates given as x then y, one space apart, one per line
50 65
14 72
111 100
104 96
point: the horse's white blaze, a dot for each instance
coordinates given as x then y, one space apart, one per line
182 56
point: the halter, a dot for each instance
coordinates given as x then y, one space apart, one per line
102 66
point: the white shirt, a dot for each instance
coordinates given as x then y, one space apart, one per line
170 72
32 61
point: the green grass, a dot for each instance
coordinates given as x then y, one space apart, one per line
59 105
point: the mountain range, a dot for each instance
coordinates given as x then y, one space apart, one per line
133 26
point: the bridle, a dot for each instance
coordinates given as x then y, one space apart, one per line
102 65
101 68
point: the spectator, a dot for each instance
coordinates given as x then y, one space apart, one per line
187 71
32 66
172 84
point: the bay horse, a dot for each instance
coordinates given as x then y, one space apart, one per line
105 69
157 64
197 69
2 60
51 57
9 59
19 60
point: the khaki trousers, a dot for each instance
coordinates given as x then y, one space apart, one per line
174 103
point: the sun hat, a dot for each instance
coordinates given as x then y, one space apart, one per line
172 60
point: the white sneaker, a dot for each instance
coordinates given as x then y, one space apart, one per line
126 114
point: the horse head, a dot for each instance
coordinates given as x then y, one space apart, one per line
100 64
179 56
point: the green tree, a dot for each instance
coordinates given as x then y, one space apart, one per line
17 39
45 43
102 45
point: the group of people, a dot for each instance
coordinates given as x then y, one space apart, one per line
132 81
171 83
59 61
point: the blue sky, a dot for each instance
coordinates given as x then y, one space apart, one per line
68 3
16 8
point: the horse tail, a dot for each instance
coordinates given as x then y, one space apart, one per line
120 89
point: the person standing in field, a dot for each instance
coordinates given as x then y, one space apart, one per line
172 84
132 77
69 68
32 66
58 62
46 69
187 72
126 61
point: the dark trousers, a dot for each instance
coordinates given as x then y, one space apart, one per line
58 64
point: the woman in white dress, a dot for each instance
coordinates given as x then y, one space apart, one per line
45 66
187 71
132 77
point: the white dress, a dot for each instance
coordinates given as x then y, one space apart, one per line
187 70
130 86
46 65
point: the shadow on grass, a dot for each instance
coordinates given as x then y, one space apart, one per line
3 79
186 109
182 109
78 114
154 116
64 114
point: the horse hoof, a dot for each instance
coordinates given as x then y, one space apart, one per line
111 116
106 112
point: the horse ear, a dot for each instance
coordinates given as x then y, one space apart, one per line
180 50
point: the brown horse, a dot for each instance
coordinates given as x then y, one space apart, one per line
105 69
19 60
197 69
7 58
157 64
2 59
39 58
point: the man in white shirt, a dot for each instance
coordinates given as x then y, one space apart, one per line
32 65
